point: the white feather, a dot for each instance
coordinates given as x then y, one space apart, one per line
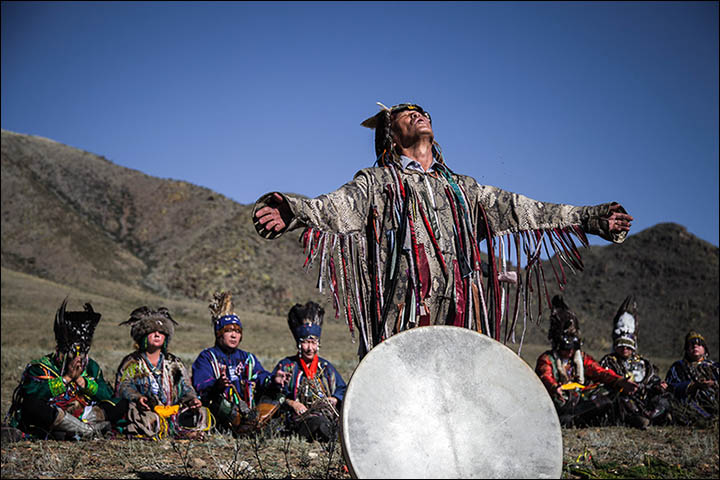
625 324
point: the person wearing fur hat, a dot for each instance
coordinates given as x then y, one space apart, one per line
314 389
155 382
651 403
228 379
64 395
574 379
403 239
694 379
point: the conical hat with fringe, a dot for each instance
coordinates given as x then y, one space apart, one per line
625 325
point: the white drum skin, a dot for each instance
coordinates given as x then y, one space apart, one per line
448 402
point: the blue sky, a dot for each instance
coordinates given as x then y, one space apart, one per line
573 102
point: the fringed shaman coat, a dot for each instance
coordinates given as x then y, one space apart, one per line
399 248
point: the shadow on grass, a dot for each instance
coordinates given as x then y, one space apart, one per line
163 476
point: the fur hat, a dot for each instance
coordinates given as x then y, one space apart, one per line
144 321
625 325
564 329
222 312
306 320
74 330
695 337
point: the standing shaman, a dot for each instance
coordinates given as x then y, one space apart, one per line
399 245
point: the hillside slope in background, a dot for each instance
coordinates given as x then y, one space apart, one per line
78 219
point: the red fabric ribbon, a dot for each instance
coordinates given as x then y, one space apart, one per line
312 370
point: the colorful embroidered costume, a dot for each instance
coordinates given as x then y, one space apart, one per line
589 400
165 384
651 403
309 383
314 389
584 399
399 247
687 377
651 400
230 381
42 386
51 401
244 371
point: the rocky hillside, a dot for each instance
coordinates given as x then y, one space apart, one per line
78 219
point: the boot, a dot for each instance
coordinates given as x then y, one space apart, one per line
638 421
72 426
96 415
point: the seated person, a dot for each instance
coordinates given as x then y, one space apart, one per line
155 382
694 380
650 404
63 395
314 390
567 372
229 380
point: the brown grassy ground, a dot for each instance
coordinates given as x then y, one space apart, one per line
28 308
609 452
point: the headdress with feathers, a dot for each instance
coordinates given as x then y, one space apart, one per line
565 332
381 122
625 325
564 325
144 321
222 312
306 320
74 330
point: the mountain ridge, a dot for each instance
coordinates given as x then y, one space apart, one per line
75 217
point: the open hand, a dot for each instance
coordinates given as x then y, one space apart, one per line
276 215
618 221
281 377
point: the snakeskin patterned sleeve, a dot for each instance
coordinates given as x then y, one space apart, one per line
343 211
512 212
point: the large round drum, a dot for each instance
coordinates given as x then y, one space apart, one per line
448 402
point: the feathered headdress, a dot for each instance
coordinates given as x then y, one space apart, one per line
144 321
74 330
222 312
306 320
381 122
625 325
564 326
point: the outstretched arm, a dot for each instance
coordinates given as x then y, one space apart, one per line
343 211
512 212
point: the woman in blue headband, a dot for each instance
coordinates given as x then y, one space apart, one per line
314 391
230 380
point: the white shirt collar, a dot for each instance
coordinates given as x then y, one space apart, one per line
410 164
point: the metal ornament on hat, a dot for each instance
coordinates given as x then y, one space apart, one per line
625 324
